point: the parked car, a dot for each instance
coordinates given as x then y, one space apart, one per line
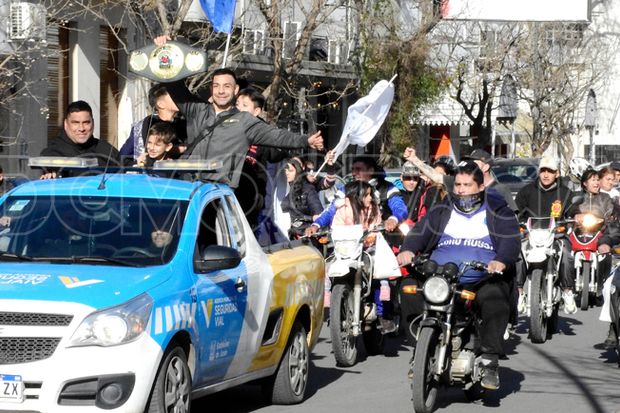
515 173
133 292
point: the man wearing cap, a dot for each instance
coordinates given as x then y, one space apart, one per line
547 197
410 188
484 160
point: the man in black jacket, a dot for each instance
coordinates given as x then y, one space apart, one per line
547 197
474 225
77 140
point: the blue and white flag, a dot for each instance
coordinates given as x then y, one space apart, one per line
221 14
365 117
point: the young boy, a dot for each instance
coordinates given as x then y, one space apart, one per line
160 141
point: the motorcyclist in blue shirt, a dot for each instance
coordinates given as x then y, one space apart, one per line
473 224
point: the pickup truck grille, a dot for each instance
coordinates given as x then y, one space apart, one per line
14 350
34 319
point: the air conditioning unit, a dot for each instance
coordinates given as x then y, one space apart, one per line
27 21
253 42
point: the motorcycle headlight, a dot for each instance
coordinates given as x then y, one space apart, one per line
541 237
346 248
436 290
115 325
591 223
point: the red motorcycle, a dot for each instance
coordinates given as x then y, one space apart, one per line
584 242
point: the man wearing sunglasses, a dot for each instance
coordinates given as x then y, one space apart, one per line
547 197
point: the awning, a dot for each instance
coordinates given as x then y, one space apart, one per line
447 111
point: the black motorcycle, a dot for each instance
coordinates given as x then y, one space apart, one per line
447 336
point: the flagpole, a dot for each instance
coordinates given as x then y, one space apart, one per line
363 113
226 50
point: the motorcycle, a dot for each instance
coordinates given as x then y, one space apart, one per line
353 311
584 242
447 337
542 255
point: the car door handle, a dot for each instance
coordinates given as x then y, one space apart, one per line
240 284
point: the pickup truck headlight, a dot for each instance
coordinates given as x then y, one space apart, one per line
115 325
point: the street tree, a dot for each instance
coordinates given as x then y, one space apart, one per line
392 39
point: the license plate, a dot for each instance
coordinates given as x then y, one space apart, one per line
11 388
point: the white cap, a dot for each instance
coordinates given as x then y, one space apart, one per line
549 163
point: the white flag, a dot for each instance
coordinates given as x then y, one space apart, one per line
365 117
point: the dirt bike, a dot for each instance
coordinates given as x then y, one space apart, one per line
447 336
584 242
542 255
353 311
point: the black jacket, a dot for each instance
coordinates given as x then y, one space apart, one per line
304 204
502 223
92 148
535 201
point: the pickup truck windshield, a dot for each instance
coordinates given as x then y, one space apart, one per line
90 230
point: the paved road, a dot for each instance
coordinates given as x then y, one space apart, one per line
570 373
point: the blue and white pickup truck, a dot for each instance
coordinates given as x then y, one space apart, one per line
132 293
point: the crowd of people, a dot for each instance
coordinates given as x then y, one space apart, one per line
444 203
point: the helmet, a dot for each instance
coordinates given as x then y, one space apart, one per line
467 203
577 166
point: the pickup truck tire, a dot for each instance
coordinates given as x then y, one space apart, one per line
173 384
341 311
288 384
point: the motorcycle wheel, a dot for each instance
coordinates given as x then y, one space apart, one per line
538 319
585 292
341 314
552 323
424 386
373 340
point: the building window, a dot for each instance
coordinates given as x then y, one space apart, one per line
290 37
58 77
253 42
109 84
338 52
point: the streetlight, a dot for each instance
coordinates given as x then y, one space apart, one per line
590 121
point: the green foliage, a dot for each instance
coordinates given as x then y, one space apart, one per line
384 53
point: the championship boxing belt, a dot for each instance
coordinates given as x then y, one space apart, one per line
167 63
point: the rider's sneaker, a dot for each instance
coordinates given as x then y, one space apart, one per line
490 378
569 302
387 326
410 372
611 341
522 304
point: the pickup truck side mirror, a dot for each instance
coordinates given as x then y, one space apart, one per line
217 257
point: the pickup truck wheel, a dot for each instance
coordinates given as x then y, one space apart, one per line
288 384
173 384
